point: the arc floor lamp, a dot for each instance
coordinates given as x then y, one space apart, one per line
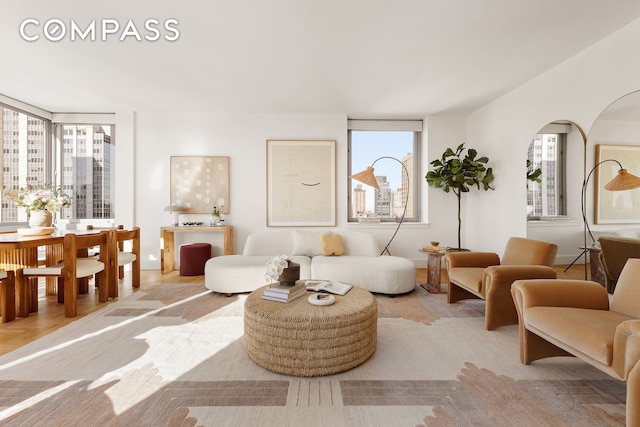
368 177
621 182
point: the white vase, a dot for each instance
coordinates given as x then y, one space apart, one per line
40 219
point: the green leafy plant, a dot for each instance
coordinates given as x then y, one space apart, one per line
458 172
533 174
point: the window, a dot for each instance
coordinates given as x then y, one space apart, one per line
87 165
77 157
24 140
547 153
370 140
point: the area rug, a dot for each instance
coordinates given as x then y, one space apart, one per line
173 355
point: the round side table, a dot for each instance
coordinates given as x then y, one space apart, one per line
301 339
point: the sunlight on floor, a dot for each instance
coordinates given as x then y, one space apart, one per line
192 344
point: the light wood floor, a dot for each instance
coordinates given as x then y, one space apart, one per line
50 315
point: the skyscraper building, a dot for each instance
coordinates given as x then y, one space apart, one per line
408 184
90 151
383 198
22 158
359 201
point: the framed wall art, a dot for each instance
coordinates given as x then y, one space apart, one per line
301 183
199 183
616 207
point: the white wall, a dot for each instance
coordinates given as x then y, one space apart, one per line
243 139
577 90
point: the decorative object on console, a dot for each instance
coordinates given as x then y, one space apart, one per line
368 177
215 216
621 182
454 173
301 183
175 210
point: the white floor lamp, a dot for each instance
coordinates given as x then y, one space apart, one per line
367 177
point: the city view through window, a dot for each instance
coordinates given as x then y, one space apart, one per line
546 198
81 165
387 203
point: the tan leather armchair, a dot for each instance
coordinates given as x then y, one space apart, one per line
574 318
632 371
614 252
483 275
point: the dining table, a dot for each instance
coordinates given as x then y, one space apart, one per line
20 250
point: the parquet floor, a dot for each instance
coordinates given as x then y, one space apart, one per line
50 315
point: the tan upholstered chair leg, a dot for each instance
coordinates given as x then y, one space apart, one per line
456 293
500 309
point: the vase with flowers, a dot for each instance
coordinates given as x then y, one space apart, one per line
39 202
283 270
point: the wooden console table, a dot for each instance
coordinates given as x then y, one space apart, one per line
167 249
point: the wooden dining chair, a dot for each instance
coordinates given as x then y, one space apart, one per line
7 296
123 257
73 267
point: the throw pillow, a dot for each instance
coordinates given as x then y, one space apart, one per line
332 244
306 243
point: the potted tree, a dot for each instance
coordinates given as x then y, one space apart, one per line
459 172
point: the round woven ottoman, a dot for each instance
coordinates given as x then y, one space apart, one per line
193 257
301 339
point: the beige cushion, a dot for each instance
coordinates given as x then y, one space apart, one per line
307 243
625 297
586 331
3 275
84 267
332 244
469 277
125 258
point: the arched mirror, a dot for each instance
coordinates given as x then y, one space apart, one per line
613 143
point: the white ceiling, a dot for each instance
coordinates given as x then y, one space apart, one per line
361 58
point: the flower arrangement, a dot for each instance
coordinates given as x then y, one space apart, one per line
34 199
276 266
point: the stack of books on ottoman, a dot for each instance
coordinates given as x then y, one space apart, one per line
281 293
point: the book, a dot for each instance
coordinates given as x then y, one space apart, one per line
286 290
280 297
330 286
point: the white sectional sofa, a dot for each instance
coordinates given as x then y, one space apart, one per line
361 263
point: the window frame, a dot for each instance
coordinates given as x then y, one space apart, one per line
32 113
59 121
560 173
52 147
415 126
